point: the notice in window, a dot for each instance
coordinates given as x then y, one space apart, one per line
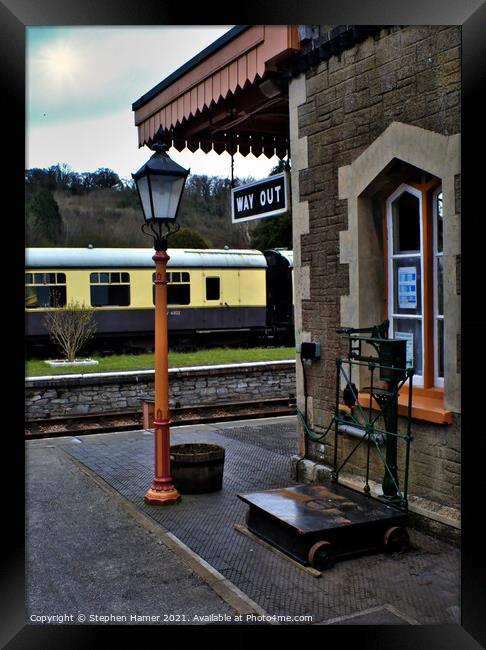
407 287
408 337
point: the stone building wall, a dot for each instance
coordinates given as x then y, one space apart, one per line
63 396
338 109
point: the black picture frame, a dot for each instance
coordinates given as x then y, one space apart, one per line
15 16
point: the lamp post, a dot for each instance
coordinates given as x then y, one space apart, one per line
160 183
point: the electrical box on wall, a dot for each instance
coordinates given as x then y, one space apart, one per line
310 351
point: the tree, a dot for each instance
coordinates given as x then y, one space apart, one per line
188 238
101 208
273 232
46 223
101 179
70 327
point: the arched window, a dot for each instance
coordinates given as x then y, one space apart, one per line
415 278
405 273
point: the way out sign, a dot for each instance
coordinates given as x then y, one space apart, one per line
264 198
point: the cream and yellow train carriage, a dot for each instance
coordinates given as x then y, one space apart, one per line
208 290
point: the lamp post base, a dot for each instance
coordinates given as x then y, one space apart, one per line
162 497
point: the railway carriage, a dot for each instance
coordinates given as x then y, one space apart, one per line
209 292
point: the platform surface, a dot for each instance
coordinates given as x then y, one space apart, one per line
312 508
119 577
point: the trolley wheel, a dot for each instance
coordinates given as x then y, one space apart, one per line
321 556
396 539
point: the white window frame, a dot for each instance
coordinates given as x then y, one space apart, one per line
438 381
417 379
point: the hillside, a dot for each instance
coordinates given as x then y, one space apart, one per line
99 209
103 218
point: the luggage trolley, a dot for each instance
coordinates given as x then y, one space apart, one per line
316 524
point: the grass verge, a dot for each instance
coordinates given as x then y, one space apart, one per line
118 362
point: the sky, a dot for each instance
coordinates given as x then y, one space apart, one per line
82 82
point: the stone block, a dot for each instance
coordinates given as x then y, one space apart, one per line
79 409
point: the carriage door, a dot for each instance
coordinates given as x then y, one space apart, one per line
279 290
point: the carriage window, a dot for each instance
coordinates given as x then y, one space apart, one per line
110 289
213 290
178 294
45 290
178 288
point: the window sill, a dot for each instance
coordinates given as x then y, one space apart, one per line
427 405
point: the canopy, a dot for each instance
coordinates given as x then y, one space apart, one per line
230 97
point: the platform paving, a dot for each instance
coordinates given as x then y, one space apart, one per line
87 551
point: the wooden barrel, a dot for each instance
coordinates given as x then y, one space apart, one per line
197 468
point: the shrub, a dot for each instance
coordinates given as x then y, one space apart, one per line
71 327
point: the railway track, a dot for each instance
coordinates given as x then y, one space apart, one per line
130 420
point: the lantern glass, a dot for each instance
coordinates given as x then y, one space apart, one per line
166 195
144 193
160 183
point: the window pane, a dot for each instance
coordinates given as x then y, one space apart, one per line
104 277
57 297
414 327
440 285
31 301
99 296
212 289
119 295
178 294
28 278
406 224
109 295
50 278
115 277
440 346
176 277
185 277
407 290
125 277
39 278
94 278
61 278
440 224
45 296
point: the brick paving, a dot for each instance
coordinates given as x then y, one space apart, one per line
422 585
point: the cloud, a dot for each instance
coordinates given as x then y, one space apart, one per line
87 144
81 83
94 70
111 141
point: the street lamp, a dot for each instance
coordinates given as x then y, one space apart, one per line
160 183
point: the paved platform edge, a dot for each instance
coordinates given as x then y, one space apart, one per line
218 583
373 610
